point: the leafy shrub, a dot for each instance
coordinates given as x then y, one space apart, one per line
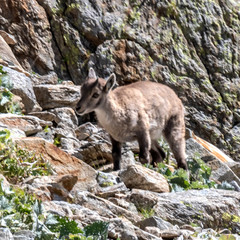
197 177
20 211
17 164
7 103
146 212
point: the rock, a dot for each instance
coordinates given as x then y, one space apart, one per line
190 47
22 86
136 176
143 199
9 39
85 130
64 133
98 148
66 117
50 78
15 132
155 222
124 229
235 167
55 96
233 138
35 47
52 187
4 182
82 215
62 162
46 134
112 191
104 207
127 158
96 153
107 179
70 145
220 170
27 124
24 235
165 234
211 150
45 115
208 208
7 54
121 202
5 234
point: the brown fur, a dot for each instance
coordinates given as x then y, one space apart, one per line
141 111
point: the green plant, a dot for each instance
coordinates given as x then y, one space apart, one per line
147 212
17 164
197 176
7 104
4 79
57 141
46 129
21 211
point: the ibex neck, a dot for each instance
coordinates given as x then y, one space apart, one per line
105 112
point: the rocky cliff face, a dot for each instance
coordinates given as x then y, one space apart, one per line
192 46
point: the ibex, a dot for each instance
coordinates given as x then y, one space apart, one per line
141 111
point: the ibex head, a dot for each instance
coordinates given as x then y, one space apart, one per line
94 92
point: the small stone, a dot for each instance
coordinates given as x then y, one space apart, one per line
137 176
155 222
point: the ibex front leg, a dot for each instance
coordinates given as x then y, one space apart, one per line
144 142
116 153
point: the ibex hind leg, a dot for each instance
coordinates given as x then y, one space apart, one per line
144 142
174 133
157 152
116 154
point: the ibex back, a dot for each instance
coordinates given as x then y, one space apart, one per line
141 111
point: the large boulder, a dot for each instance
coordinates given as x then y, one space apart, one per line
209 208
56 96
62 163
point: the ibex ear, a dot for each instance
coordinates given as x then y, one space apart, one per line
92 74
111 81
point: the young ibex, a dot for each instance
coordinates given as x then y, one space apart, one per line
141 111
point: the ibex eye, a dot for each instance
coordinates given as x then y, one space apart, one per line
95 95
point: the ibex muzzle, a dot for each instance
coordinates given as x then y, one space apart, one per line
141 111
